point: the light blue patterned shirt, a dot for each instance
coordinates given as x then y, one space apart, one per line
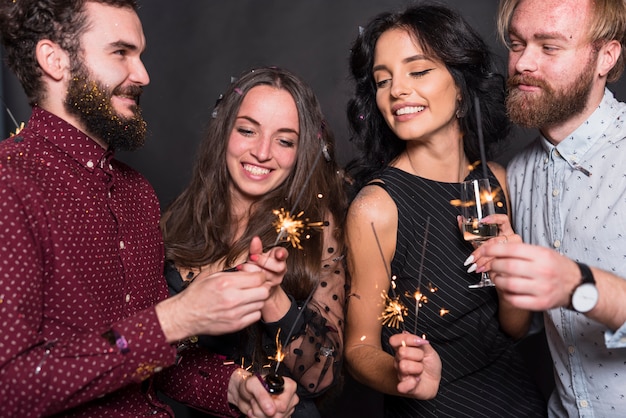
572 198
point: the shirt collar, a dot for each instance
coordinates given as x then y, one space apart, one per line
68 138
573 148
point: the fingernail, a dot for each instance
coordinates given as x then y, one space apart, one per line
472 268
253 257
468 260
239 267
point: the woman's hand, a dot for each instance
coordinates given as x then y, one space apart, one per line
417 364
477 262
273 265
247 392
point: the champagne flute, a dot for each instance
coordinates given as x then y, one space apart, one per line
477 203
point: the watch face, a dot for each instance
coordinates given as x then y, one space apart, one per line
585 297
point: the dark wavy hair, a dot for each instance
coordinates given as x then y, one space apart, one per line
23 23
198 227
445 36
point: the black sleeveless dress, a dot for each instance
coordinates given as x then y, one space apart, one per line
483 375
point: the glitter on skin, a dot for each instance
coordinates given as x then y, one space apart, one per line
90 101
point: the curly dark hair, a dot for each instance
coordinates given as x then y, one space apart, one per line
24 23
447 37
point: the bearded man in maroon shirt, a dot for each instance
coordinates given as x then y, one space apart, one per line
85 326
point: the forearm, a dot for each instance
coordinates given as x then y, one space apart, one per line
611 309
26 373
314 357
514 322
277 306
373 367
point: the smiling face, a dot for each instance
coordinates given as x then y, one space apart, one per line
103 92
263 144
416 94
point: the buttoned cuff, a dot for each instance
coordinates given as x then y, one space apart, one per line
616 339
146 350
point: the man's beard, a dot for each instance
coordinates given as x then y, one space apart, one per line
549 106
90 101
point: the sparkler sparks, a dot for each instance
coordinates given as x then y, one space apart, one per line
289 228
484 198
18 129
279 356
394 312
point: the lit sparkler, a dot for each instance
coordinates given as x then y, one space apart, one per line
419 277
273 382
18 126
279 356
481 140
394 312
484 198
290 228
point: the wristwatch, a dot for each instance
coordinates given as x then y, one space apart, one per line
585 296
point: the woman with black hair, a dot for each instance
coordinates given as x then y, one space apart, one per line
417 74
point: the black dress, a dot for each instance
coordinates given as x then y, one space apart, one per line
483 374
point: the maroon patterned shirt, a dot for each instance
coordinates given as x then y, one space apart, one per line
81 268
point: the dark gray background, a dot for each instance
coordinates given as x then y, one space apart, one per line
195 47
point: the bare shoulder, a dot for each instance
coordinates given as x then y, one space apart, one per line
372 203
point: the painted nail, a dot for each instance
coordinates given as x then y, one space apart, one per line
253 257
468 260
472 268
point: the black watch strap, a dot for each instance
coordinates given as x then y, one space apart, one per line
587 275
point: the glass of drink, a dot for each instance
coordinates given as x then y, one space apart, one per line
477 203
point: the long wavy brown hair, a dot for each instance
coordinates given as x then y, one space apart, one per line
199 227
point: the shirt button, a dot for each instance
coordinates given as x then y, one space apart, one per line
571 349
583 404
122 245
90 164
557 243
128 298
158 369
109 195
555 192
110 167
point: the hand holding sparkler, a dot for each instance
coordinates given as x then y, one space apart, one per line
248 392
272 261
417 365
273 266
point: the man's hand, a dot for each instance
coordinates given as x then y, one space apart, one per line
214 304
